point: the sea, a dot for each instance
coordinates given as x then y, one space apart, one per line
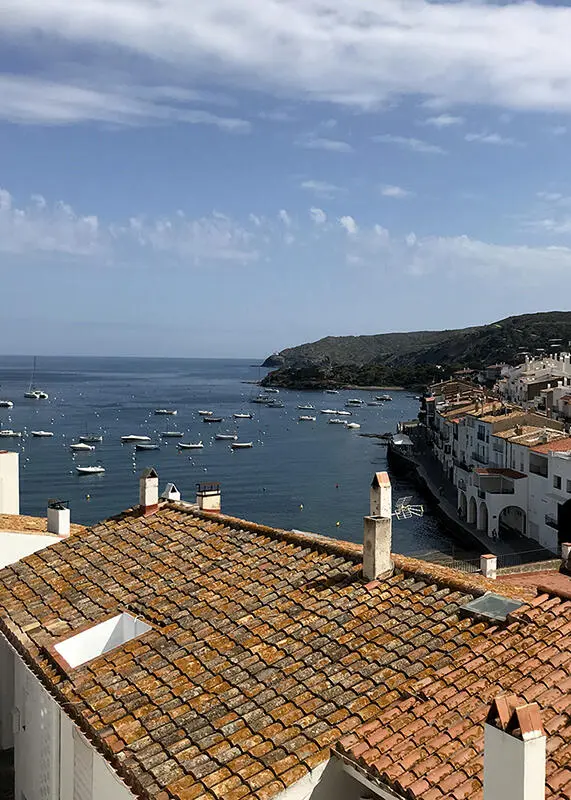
310 476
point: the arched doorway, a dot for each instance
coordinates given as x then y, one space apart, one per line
462 506
483 518
564 522
512 522
472 511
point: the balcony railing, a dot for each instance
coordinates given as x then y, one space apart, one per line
542 471
551 521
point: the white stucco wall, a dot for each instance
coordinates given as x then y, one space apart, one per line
329 781
52 759
9 483
6 694
14 546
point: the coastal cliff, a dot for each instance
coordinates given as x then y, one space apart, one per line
414 359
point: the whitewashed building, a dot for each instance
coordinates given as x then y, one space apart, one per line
524 383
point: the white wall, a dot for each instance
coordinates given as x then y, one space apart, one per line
101 638
328 781
9 483
52 759
6 694
14 546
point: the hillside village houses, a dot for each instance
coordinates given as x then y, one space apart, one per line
511 464
174 652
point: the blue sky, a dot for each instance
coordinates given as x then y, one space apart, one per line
233 177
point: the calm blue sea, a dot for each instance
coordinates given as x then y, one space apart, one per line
309 476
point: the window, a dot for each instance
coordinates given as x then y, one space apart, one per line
557 481
569 486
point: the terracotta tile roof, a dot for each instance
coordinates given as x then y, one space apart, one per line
429 743
506 472
20 523
266 648
559 445
549 580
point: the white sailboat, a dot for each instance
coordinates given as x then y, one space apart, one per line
241 445
96 470
33 393
132 438
166 412
242 416
81 447
42 434
190 445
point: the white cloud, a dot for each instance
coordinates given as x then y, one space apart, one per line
358 52
416 145
395 191
285 217
444 121
320 188
492 138
35 101
550 197
57 230
349 224
557 130
318 216
312 142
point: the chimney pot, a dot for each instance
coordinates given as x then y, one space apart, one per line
208 496
59 517
149 491
514 751
489 565
566 551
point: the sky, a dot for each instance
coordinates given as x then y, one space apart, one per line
232 177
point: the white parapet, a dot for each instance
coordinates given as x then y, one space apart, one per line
9 483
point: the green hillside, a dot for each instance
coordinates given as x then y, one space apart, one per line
413 359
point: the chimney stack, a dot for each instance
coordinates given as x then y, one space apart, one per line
208 496
149 491
171 492
514 751
377 533
59 517
9 483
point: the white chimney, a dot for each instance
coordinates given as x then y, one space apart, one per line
149 491
59 517
171 492
489 566
514 751
377 534
9 483
208 496
380 495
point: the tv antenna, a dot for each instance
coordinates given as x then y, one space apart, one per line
404 509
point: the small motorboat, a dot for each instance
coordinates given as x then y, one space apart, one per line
328 411
190 445
36 394
275 404
205 413
261 398
6 404
241 445
375 403
332 391
212 419
344 413
306 418
226 436
354 402
8 433
271 390
147 446
97 470
242 416
305 408
131 439
81 447
91 438
166 412
336 412
353 425
336 421
172 434
42 434
384 397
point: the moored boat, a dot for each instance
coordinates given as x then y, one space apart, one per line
332 391
354 402
147 446
336 421
172 434
165 412
275 404
132 438
8 433
212 419
42 434
241 445
261 398
96 470
91 438
190 445
353 425
81 446
205 413
242 416
384 397
306 418
375 403
6 404
306 408
228 436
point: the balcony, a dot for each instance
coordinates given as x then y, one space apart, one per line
551 521
481 459
537 470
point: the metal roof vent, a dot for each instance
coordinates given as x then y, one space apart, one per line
491 606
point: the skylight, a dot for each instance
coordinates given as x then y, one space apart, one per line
100 639
492 606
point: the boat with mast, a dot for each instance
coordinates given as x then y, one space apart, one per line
33 393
